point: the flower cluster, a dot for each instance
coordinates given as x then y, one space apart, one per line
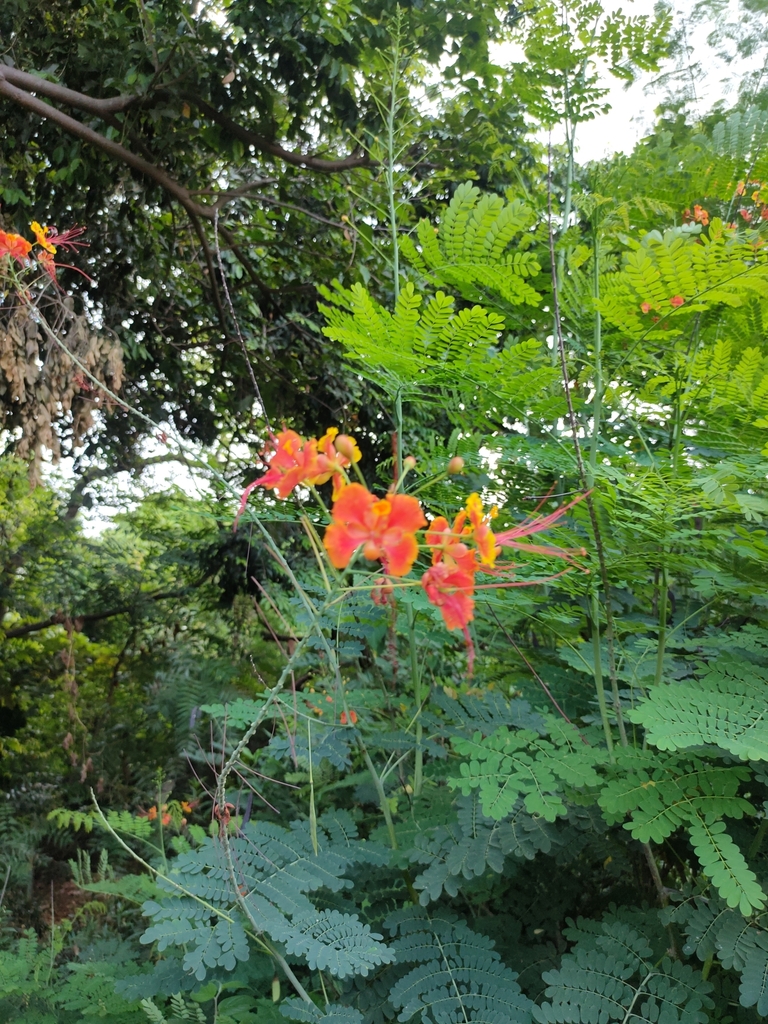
292 461
385 529
676 301
47 242
757 191
699 216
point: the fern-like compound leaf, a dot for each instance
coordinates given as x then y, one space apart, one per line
459 975
611 976
725 707
295 1009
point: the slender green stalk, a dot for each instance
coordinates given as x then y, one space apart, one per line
584 478
383 802
662 641
597 344
598 671
312 807
389 170
418 767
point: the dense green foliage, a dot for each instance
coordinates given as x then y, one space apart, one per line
236 789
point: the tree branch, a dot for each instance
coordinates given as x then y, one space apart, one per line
315 163
78 621
94 473
114 149
106 108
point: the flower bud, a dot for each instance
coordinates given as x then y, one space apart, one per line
347 446
409 463
456 465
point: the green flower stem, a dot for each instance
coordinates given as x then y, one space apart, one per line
598 671
662 641
383 802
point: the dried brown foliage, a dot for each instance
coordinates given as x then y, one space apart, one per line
45 396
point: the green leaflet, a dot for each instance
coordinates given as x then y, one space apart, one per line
277 867
686 791
459 975
724 863
725 707
469 252
712 929
612 975
704 271
463 850
508 765
295 1009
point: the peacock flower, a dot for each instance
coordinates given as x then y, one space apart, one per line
294 461
676 301
384 527
451 589
49 239
513 537
701 216
15 246
336 452
41 235
447 543
480 530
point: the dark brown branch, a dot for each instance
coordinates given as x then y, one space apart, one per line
60 93
114 149
104 108
78 621
315 163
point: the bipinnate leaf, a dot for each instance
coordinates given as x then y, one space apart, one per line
725 707
723 862
610 975
308 1013
459 976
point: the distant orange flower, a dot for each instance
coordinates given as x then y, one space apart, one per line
386 529
646 307
700 215
676 301
335 453
293 461
15 246
451 589
481 531
352 717
745 215
448 544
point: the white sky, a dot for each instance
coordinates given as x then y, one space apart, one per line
632 114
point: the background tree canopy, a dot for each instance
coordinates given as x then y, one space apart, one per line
508 769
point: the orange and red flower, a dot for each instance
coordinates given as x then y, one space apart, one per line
384 527
451 589
335 453
49 239
15 246
293 462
